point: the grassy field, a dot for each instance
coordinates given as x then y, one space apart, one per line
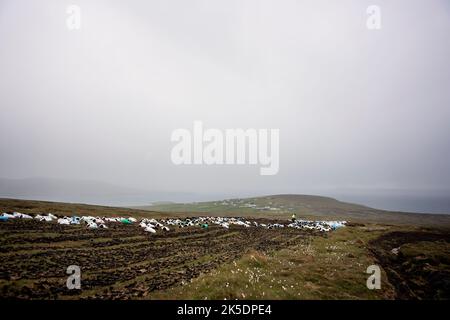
124 262
331 267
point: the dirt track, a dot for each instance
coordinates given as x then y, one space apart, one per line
122 261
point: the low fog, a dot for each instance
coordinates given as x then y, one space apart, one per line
360 112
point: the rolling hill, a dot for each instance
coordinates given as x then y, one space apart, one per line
304 206
271 207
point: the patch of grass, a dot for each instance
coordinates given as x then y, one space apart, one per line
332 267
438 251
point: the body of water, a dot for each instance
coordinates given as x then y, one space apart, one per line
406 203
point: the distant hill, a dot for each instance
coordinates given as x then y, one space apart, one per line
276 203
279 207
304 206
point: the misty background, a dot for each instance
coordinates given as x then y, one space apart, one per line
86 115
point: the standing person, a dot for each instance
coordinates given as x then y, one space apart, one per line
293 217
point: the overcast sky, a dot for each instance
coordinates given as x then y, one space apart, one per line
357 109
